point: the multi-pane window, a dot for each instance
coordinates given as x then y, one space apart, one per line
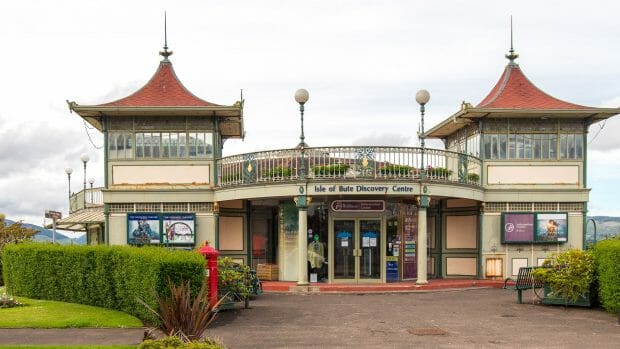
161 145
120 145
528 146
200 145
532 139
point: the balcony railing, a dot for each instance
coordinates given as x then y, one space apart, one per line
85 199
339 163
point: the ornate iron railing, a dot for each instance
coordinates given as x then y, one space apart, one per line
340 163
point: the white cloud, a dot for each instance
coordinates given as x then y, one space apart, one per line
362 62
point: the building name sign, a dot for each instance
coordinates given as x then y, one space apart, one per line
362 189
358 205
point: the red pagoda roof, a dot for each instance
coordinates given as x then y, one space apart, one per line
163 90
515 91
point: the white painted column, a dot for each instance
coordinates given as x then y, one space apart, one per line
422 257
302 275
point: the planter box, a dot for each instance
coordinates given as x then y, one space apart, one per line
583 301
267 272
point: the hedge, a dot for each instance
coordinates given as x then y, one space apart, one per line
607 259
110 277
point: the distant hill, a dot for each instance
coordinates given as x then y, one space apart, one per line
606 227
45 235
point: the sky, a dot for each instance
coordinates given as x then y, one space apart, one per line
361 61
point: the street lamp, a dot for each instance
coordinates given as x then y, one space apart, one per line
301 97
69 171
91 181
422 97
84 159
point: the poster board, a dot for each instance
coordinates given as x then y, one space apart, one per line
531 227
143 228
551 227
517 227
179 228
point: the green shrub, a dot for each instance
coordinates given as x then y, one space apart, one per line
110 277
607 258
330 170
389 169
176 342
234 280
473 177
278 172
12 234
569 274
438 172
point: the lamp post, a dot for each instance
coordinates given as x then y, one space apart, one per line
91 181
69 171
301 97
302 200
84 159
422 97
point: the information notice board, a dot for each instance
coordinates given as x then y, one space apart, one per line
410 235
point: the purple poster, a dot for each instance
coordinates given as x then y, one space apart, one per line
518 227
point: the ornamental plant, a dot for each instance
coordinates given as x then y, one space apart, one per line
234 280
389 169
278 172
182 314
330 170
568 274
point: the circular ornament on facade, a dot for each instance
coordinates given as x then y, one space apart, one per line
424 189
301 189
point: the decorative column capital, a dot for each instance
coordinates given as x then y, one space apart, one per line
423 201
302 201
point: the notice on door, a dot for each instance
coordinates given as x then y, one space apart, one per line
410 235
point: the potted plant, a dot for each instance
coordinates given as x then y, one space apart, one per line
567 277
278 172
330 170
391 169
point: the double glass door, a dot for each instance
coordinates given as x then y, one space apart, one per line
357 250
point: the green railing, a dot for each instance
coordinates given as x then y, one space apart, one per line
341 163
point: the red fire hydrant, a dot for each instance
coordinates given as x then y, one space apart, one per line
211 255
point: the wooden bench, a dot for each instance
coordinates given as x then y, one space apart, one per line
525 281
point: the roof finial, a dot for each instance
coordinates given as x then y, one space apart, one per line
165 53
512 55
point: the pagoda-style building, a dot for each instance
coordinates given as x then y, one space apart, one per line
533 148
508 189
161 145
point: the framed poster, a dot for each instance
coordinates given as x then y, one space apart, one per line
179 228
551 227
143 228
517 227
410 235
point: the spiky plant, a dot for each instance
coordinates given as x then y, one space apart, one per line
181 314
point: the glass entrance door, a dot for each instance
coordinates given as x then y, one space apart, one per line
357 250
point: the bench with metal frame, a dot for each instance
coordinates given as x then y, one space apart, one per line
525 281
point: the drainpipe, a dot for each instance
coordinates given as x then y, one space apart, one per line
106 207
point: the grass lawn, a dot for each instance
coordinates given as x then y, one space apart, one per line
51 314
68 346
